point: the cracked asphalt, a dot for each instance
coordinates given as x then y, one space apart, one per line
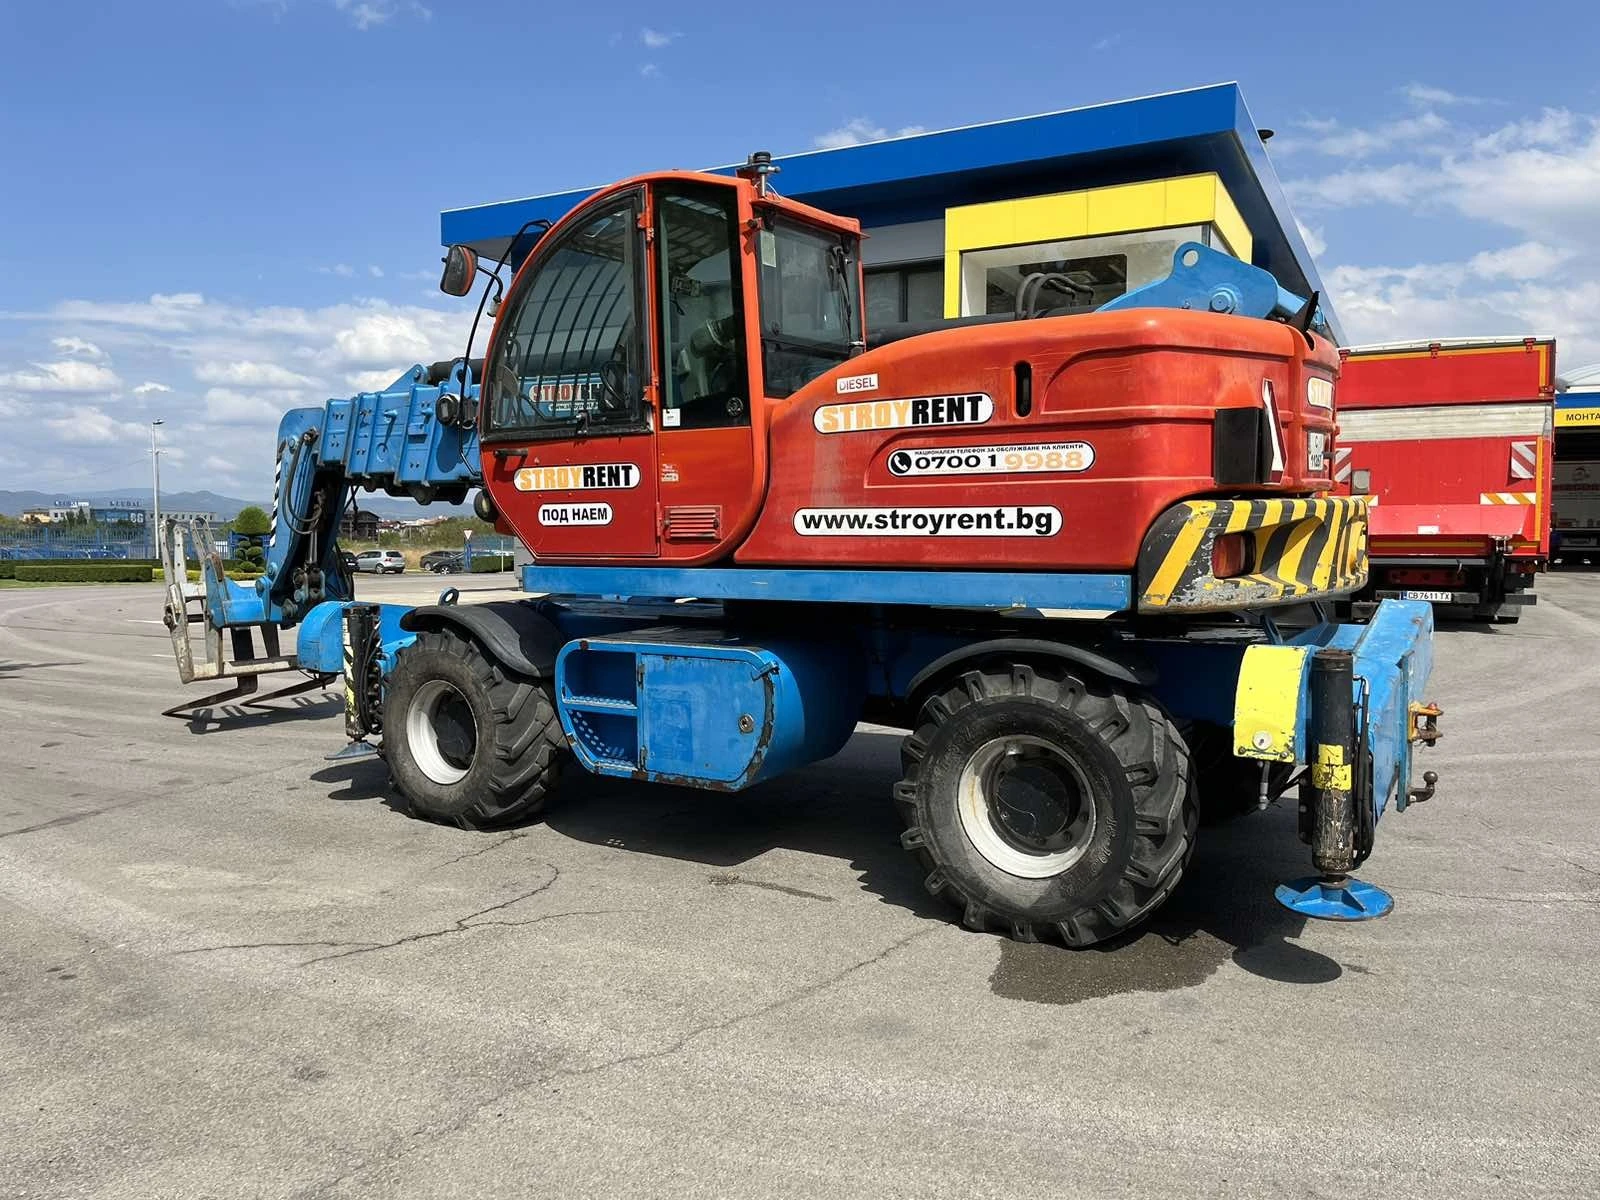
229 968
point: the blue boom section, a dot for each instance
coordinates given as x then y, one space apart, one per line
394 441
1207 280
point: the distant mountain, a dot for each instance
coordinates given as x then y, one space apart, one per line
12 504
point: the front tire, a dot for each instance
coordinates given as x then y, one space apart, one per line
469 741
1046 804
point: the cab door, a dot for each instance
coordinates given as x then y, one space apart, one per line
568 440
712 464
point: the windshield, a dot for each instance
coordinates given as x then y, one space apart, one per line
809 303
569 351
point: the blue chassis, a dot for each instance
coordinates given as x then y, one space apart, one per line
1193 672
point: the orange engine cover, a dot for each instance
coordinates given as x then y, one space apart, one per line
1044 444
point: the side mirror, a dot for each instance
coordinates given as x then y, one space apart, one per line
460 268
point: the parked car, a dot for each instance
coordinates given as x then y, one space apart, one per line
443 562
381 562
349 561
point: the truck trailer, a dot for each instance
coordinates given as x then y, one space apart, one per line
1576 482
1084 561
1452 441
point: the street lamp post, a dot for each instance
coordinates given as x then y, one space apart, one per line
155 466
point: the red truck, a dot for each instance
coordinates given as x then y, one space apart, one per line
1453 440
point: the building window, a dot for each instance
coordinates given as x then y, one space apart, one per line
1066 285
907 293
1080 274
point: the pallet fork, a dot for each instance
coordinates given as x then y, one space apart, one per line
190 604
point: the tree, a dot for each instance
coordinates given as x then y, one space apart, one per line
251 528
252 520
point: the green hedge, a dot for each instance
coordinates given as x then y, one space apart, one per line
489 564
71 572
8 566
236 576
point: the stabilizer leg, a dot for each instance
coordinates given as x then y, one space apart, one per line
1336 814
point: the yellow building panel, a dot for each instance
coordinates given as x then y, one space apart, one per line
1095 212
1133 206
1231 225
1192 193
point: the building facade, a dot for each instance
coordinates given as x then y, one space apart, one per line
1102 195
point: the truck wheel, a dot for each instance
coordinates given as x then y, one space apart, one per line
1047 805
468 741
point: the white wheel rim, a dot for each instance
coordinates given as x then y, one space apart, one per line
983 787
423 732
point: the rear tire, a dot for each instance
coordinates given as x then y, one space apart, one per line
1047 805
469 742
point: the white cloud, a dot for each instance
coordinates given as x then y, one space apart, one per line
1312 238
1527 261
342 270
371 381
365 14
220 373
1552 127
1396 183
655 39
649 71
220 465
250 375
859 130
69 375
1334 140
1106 42
1535 180
1422 93
1494 293
395 338
74 345
94 427
227 406
375 272
1539 176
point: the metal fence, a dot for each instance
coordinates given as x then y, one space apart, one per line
61 541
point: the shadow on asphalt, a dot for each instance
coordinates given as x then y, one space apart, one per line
215 718
1223 910
8 669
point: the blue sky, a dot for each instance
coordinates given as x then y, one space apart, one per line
213 210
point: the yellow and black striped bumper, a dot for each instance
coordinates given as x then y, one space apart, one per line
1301 550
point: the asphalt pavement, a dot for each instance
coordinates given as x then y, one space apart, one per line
231 968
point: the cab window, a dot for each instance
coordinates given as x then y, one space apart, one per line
810 301
705 372
569 355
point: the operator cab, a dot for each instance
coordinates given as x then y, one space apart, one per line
638 343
